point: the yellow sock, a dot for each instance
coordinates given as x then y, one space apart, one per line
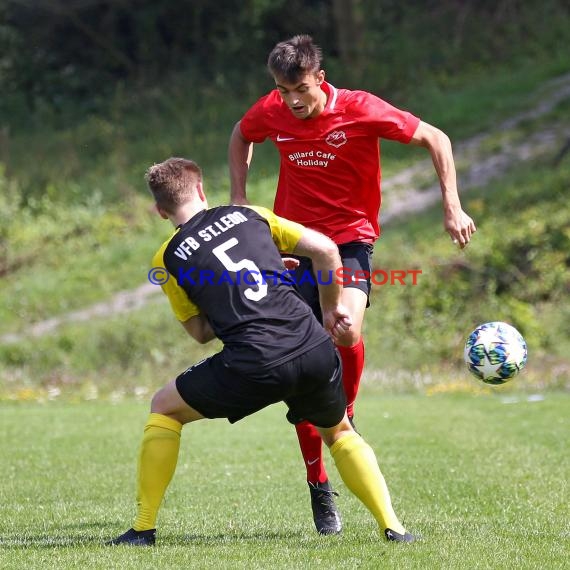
358 467
157 463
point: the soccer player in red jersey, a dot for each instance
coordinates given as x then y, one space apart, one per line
329 180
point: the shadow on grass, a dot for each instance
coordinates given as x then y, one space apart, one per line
75 536
47 541
230 538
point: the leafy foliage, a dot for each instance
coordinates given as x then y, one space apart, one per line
395 45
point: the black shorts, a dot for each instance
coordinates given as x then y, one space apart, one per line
356 270
310 385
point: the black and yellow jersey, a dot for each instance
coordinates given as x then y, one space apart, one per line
224 263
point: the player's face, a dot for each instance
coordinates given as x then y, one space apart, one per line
305 97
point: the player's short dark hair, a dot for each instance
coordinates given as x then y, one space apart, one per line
295 57
173 182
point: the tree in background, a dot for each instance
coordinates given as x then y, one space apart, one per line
59 50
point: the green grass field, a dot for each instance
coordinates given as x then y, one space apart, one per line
483 478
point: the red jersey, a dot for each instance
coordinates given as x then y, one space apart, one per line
329 178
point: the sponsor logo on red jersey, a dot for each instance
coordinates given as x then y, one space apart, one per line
336 138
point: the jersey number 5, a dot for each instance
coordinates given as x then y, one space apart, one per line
253 270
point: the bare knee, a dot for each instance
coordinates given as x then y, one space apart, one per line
349 337
159 403
331 435
168 402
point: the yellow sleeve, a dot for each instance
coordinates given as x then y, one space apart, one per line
182 307
286 234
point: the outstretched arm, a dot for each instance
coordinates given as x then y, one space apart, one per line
240 152
457 223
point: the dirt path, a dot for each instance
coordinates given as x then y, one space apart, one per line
479 160
121 302
415 188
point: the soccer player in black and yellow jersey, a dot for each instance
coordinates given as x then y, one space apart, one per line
225 278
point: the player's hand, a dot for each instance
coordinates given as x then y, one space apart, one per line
460 227
337 321
290 263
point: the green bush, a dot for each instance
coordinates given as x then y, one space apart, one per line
516 269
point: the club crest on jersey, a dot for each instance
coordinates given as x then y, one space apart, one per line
336 138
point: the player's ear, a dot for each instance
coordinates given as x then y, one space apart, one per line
320 76
161 212
200 189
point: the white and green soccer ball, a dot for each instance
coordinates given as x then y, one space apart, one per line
495 352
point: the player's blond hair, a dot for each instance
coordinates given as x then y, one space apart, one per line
173 182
